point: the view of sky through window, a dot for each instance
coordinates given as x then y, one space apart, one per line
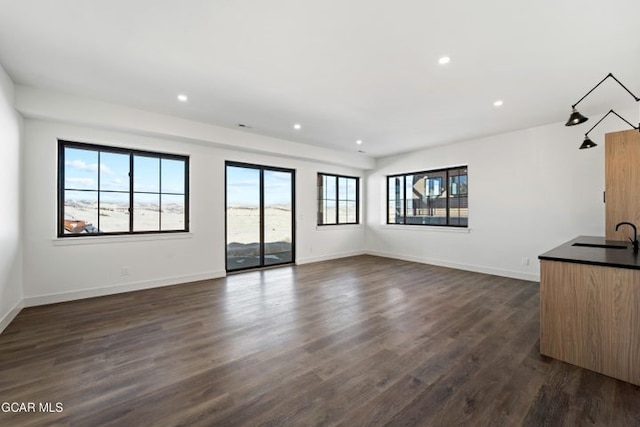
81 172
244 187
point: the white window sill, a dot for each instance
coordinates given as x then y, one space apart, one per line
338 227
426 228
97 240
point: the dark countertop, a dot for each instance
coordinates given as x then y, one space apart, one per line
622 258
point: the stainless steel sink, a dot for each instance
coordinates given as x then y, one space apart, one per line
595 245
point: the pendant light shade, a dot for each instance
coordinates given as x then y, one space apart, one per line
588 143
576 118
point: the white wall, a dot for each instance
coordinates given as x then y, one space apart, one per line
529 191
64 269
10 194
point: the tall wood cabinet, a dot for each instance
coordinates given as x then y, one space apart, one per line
622 182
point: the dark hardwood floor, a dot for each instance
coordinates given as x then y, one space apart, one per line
359 341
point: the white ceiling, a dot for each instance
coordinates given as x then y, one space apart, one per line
344 69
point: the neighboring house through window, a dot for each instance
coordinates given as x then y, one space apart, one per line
435 197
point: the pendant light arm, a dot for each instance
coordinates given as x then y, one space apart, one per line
605 116
625 88
594 88
602 81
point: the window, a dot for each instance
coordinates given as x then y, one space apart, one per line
107 190
338 199
437 197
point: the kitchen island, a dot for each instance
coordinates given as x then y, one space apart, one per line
590 306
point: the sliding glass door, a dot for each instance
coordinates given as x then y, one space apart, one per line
259 216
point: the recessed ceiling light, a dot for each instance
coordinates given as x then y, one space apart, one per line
182 97
498 103
359 142
444 60
297 126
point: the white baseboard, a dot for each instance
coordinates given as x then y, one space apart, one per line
309 260
117 289
11 314
469 267
31 301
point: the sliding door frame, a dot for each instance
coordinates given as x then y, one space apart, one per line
261 169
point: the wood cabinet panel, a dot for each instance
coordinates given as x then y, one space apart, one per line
590 317
622 182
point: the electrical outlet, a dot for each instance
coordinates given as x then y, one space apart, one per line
125 271
524 261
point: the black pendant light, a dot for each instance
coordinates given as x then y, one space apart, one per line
576 118
588 143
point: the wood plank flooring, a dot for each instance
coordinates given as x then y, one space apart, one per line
359 341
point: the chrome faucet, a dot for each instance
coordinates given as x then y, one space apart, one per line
635 235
